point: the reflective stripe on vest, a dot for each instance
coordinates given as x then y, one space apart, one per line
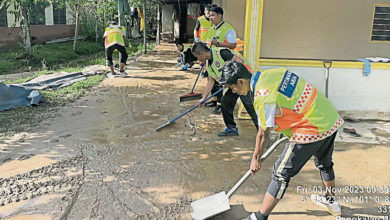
306 114
217 63
203 29
114 36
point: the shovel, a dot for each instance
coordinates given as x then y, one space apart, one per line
218 203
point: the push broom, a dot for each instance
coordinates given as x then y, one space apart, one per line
192 96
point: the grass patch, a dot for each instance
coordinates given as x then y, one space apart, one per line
60 56
47 56
23 119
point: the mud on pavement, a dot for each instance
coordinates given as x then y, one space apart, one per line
101 158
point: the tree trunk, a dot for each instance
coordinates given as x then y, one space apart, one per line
145 26
104 13
76 31
121 15
26 34
96 22
158 24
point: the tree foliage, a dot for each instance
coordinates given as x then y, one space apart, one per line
89 16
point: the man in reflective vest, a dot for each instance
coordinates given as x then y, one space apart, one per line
202 25
216 58
291 106
114 39
221 34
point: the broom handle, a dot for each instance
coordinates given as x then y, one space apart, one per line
195 106
248 173
200 71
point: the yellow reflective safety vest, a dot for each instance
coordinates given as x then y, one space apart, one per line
306 115
205 25
215 65
219 33
115 35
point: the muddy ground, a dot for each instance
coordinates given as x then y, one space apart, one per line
101 158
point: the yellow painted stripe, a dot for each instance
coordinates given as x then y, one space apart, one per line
247 28
318 63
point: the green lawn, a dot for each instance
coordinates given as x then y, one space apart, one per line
59 57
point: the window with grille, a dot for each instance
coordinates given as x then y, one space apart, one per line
38 16
381 24
3 17
59 14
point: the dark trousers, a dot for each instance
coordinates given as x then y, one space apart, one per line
110 50
295 156
215 89
229 101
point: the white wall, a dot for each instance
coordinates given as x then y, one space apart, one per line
166 18
11 18
349 90
69 16
49 18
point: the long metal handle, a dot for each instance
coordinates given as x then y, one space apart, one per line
248 173
194 107
327 64
200 71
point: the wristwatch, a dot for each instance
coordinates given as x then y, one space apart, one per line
217 44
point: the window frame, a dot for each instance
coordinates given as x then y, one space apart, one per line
36 19
57 15
5 17
372 25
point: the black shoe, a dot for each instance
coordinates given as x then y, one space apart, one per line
210 104
217 110
204 75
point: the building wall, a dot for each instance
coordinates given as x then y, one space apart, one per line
49 19
190 27
9 37
166 18
331 29
348 89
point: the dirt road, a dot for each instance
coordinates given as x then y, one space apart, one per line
101 158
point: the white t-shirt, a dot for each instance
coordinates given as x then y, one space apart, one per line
270 110
231 36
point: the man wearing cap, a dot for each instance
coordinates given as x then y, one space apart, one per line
288 104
